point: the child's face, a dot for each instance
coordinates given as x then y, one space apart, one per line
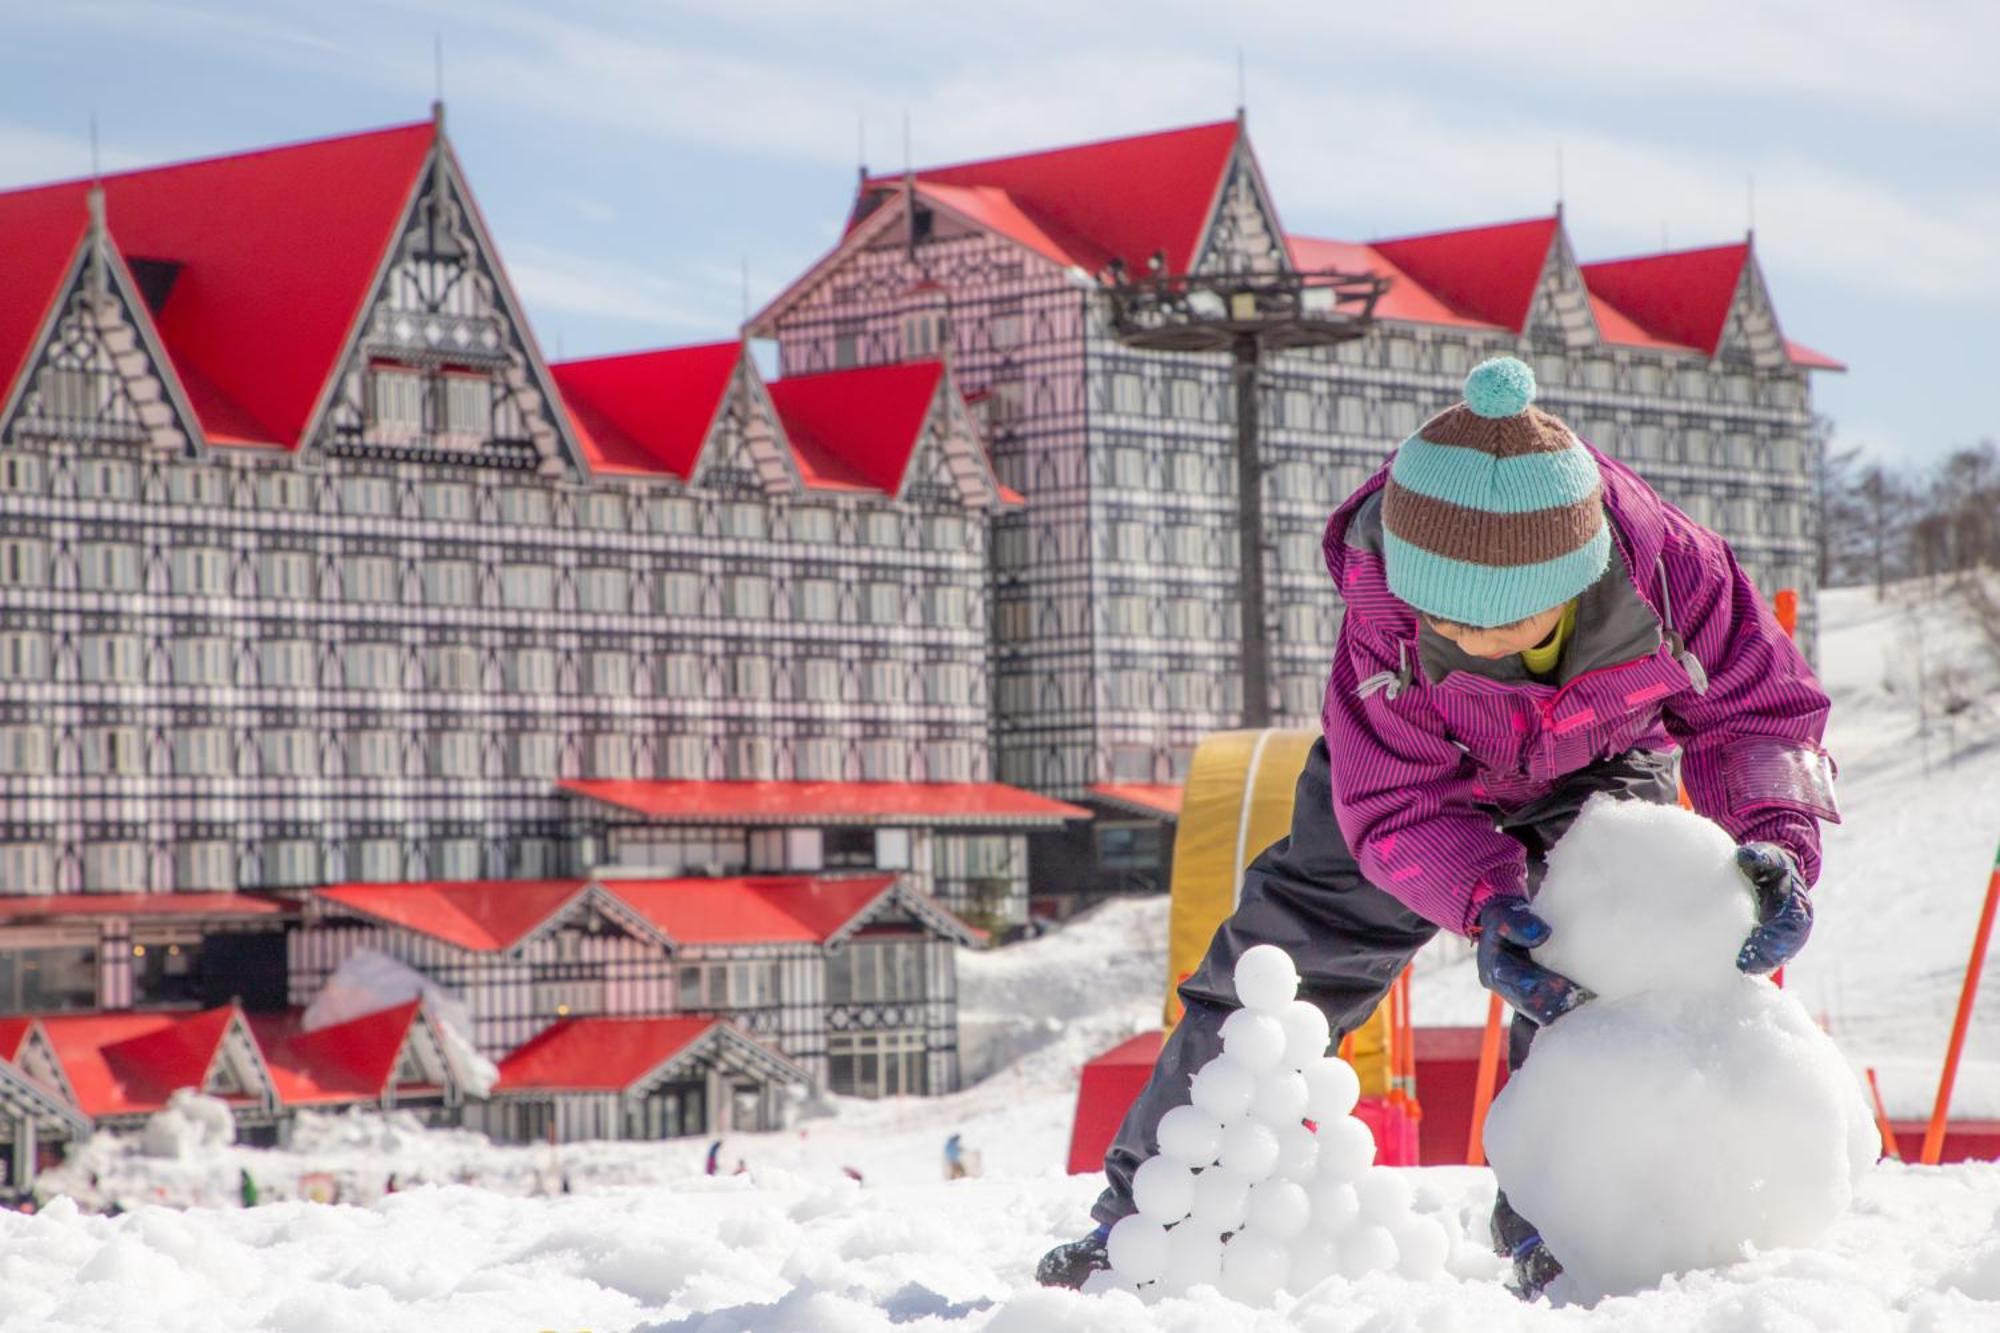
1500 640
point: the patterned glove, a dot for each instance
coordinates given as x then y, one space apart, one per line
1784 908
1507 929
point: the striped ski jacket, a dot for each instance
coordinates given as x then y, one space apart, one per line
1673 648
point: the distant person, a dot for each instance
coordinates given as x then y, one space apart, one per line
851 1173
1527 625
954 1158
714 1157
246 1188
390 1186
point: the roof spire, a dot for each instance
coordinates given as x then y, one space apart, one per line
1559 178
1750 207
909 195
1242 99
861 142
93 203
437 74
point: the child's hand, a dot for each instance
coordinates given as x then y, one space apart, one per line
1507 929
1784 909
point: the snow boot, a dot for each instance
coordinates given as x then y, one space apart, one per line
1071 1263
1516 1240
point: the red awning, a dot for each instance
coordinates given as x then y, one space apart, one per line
1155 800
940 803
142 904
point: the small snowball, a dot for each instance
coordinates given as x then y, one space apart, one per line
1254 1267
1280 1099
1346 1148
1256 1040
1307 1033
1220 1197
1298 1153
1278 1209
1223 1088
1367 1249
1190 1136
1422 1246
1335 1206
1163 1190
1266 979
1384 1196
1250 1149
1314 1260
1194 1257
1332 1089
1137 1248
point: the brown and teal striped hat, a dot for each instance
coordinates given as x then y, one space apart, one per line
1494 510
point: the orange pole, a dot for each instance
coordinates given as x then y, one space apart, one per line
1482 1088
1934 1136
1889 1148
1786 608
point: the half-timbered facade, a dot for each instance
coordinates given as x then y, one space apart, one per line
340 592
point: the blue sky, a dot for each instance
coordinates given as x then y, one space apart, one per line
633 158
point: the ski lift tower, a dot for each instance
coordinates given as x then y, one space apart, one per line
1245 314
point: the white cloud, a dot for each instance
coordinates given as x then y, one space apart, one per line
553 280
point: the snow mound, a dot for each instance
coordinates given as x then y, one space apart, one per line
369 982
189 1124
1690 1116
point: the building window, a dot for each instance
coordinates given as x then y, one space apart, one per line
684 756
373 666
534 671
680 593
749 759
20 472
947 761
527 587
285 574
108 567
884 682
818 679
874 971
375 754
284 490
610 756
527 506
114 867
611 673
452 667
876 1064
604 511
448 502
23 563
537 754
25 868
369 578
848 848
882 603
746 521
456 858
457 754
750 677
291 861
289 752
395 403
367 495
1006 403
24 655
1005 327
468 405
884 761
113 751
1127 394
104 479
205 866
674 513
747 596
40 980
681 676
285 662
450 583
818 600
24 749
113 658
201 751
925 334
166 971
1128 846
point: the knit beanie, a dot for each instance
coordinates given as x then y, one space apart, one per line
1493 511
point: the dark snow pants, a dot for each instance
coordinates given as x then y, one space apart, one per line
1347 938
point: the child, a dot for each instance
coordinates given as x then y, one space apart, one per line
1527 624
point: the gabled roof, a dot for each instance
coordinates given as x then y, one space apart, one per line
646 413
751 802
1085 204
277 251
127 1063
1405 300
1682 296
485 916
199 905
1488 274
856 429
346 1062
623 1054
761 909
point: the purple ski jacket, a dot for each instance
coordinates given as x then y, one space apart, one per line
1673 647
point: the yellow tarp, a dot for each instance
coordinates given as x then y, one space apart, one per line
1237 802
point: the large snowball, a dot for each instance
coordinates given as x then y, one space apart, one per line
1137 1248
1194 1257
1335 1206
1643 897
1673 1126
1163 1189
1384 1196
1422 1246
1190 1136
1266 979
1278 1209
1223 1088
1367 1249
1298 1153
1256 1040
1254 1267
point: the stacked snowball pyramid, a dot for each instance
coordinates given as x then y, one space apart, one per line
1265 1181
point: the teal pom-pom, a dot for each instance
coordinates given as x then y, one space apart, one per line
1501 387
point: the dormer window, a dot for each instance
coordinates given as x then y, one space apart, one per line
925 334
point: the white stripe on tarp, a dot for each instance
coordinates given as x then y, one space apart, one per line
1243 816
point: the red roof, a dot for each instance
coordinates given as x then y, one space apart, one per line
598 1054
761 909
347 1062
278 251
1486 273
141 904
1683 296
1145 797
1405 300
856 429
1802 355
482 915
647 412
746 802
1088 203
125 1063
14 1031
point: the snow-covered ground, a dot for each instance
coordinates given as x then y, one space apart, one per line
646 1242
